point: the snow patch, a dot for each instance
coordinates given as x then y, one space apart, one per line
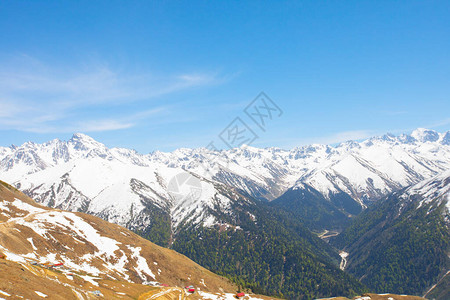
41 294
90 279
44 222
142 266
26 207
4 293
31 242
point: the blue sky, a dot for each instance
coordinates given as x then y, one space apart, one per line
167 74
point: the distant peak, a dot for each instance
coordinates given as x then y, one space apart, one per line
248 147
82 141
446 138
349 144
388 137
425 135
81 136
420 130
406 139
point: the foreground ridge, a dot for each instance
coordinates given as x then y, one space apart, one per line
51 253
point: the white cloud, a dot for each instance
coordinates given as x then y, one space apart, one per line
89 126
39 98
7 109
440 123
103 125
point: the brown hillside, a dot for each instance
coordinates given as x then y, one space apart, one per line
95 255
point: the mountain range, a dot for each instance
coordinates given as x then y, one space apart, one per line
130 186
49 253
246 213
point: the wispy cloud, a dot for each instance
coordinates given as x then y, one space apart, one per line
88 126
103 125
441 123
39 98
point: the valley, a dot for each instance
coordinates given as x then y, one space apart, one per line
286 211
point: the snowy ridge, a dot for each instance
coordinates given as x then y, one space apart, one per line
436 189
122 186
378 166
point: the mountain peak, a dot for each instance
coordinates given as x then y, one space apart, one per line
82 141
446 138
406 139
81 136
425 135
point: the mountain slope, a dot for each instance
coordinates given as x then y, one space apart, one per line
441 289
269 252
93 253
401 244
97 250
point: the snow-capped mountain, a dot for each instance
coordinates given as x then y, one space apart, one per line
118 185
380 165
432 192
353 175
195 185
